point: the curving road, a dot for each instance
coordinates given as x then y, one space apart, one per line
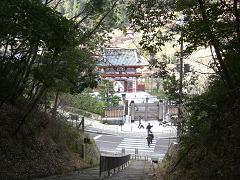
115 144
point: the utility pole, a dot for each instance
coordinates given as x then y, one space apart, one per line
180 87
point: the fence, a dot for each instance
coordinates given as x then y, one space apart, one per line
108 163
114 111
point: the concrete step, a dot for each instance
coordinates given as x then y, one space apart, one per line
137 170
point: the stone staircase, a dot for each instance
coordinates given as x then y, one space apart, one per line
137 170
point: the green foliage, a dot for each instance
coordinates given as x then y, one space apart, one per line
165 58
42 51
106 93
68 8
84 101
208 146
27 42
171 88
76 8
149 17
205 24
93 17
210 141
161 68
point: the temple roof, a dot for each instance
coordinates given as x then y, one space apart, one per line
121 57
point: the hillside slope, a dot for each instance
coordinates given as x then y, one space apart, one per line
44 146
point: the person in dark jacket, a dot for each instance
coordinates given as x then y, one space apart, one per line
149 128
149 139
152 137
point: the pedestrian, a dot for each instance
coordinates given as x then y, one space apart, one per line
149 140
152 137
139 122
149 128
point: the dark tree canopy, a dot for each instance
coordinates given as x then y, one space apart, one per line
213 24
42 52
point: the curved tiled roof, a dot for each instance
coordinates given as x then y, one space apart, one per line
121 57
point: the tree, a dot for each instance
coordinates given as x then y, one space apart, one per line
106 92
84 101
68 8
206 23
76 8
42 51
210 137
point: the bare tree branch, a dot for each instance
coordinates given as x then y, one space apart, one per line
55 7
235 6
214 42
87 34
79 14
48 2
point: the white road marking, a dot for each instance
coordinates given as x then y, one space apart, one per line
96 137
140 144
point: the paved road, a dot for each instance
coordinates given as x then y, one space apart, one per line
114 144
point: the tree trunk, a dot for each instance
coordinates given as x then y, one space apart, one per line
236 13
29 111
213 41
54 112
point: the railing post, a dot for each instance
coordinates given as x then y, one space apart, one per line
100 166
83 151
123 151
136 153
83 125
111 163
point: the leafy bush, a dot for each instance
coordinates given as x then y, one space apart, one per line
210 141
83 101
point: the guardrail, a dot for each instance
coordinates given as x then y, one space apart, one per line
108 163
139 157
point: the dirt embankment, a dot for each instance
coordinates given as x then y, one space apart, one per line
44 146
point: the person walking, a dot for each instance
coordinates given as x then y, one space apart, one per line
149 139
152 137
149 128
139 122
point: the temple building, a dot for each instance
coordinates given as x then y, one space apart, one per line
124 67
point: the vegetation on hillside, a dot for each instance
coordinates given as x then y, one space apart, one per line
84 101
44 54
209 139
89 102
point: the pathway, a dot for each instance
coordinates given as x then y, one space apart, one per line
137 170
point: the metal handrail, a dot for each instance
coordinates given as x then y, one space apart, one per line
107 163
